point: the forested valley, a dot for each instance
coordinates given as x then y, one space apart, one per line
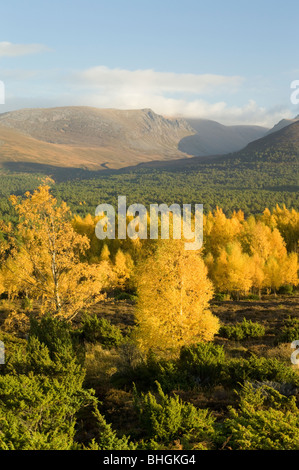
140 344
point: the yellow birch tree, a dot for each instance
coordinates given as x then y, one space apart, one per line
173 300
46 260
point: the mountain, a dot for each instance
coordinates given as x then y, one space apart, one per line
212 138
92 138
89 137
277 149
279 146
283 123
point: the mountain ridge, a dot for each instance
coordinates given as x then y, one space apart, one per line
94 138
282 123
90 137
213 138
280 147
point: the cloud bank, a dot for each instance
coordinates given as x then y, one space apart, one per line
226 99
173 94
157 82
8 49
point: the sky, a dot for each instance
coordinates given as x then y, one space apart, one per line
229 61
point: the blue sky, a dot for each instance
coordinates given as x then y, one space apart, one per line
232 61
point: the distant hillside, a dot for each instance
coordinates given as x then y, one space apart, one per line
141 130
281 124
280 147
90 137
95 139
212 138
263 174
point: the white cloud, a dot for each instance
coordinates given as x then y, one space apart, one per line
8 49
249 113
172 94
205 96
139 81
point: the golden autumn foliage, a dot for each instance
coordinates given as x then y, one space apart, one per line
220 230
240 253
56 258
173 300
258 274
251 254
46 260
86 227
105 253
3 247
232 270
122 269
2 286
287 222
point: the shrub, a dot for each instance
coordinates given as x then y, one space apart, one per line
27 303
53 333
290 331
198 365
106 438
100 330
13 346
264 420
40 395
259 369
59 337
251 297
288 334
221 297
205 365
167 418
285 289
203 362
145 372
239 331
126 296
34 415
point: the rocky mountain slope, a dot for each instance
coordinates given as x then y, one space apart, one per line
92 138
213 138
283 123
279 148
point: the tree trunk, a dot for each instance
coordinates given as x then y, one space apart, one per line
56 284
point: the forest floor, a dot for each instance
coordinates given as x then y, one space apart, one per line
272 311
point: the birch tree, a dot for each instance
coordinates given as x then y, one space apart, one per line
173 300
45 260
